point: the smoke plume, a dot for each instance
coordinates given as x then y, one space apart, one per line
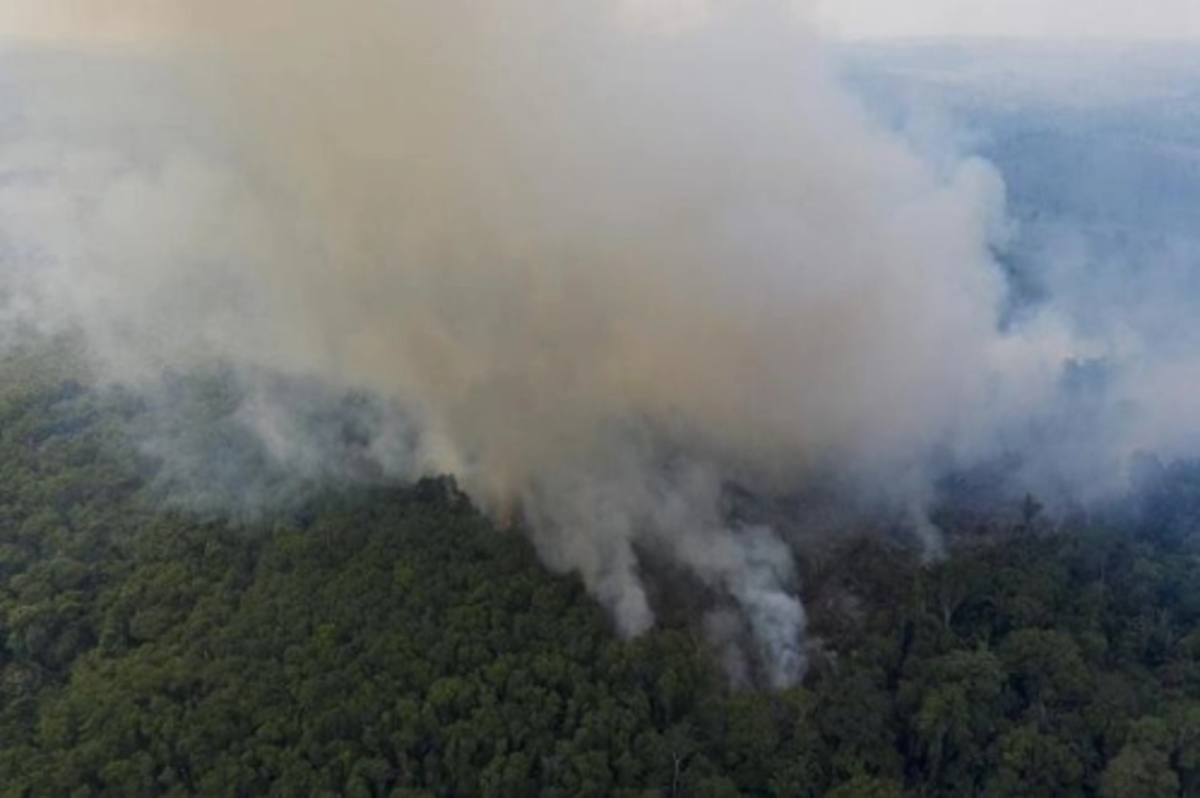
606 261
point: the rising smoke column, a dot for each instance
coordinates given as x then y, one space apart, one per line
606 267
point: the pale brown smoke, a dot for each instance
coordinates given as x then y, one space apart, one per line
532 220
541 225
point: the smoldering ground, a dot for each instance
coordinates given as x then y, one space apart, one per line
596 266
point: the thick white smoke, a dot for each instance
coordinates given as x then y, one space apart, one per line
606 266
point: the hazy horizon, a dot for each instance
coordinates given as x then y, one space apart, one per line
82 23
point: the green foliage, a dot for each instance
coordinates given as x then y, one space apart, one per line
391 642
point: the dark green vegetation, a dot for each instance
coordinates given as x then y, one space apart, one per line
393 643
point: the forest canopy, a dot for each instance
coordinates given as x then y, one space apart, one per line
388 640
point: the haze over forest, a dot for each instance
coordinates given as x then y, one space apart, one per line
767 348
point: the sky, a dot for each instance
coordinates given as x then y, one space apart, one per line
94 22
1061 19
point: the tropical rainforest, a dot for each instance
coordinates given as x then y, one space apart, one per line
390 641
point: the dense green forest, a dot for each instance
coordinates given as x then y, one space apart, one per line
389 641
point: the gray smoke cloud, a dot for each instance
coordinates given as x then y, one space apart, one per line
605 267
